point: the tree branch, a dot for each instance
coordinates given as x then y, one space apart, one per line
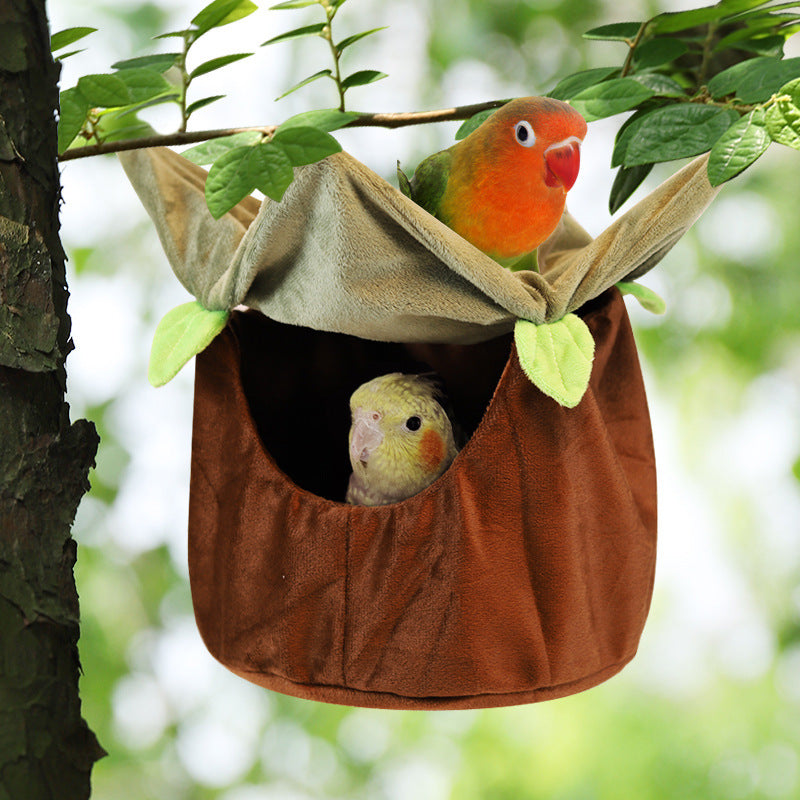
392 120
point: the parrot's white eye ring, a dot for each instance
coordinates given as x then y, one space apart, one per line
524 133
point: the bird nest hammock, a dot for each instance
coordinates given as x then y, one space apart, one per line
525 571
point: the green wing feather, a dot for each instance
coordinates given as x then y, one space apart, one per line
430 181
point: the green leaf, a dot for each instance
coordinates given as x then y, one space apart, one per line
321 74
474 122
221 12
202 103
63 56
674 21
74 108
306 30
68 36
159 62
617 32
783 116
356 37
183 333
275 172
624 138
578 81
626 182
326 119
231 178
305 145
104 91
208 152
754 80
217 63
761 45
660 85
362 78
648 299
557 357
738 147
293 4
677 131
236 173
658 51
609 98
176 34
144 84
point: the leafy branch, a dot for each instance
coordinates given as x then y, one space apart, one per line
709 79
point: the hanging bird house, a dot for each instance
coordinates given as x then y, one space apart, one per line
525 571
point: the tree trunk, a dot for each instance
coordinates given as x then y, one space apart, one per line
46 749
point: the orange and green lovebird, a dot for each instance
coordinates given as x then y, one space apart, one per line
401 439
503 187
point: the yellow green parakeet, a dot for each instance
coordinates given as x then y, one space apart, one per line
401 439
503 188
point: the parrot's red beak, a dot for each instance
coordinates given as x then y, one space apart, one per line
563 161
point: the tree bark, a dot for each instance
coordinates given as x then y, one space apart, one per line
46 749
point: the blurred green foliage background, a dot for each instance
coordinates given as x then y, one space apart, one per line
709 709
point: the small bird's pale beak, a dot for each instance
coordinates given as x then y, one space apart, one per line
365 435
563 160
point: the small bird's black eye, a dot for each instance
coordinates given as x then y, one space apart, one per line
524 133
413 423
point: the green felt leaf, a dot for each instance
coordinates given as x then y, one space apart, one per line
160 62
783 116
754 80
68 36
73 110
362 78
305 145
626 182
578 81
221 12
295 33
104 91
216 63
658 51
677 131
323 73
202 103
144 83
474 122
660 85
357 37
210 151
617 32
183 333
557 357
648 299
610 97
737 148
326 119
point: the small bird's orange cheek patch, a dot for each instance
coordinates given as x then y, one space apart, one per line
431 450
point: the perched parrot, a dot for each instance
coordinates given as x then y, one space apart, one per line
401 439
503 187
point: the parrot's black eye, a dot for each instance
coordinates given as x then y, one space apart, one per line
524 133
413 423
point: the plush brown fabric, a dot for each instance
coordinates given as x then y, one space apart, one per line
524 573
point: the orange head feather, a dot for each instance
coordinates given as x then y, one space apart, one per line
509 178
